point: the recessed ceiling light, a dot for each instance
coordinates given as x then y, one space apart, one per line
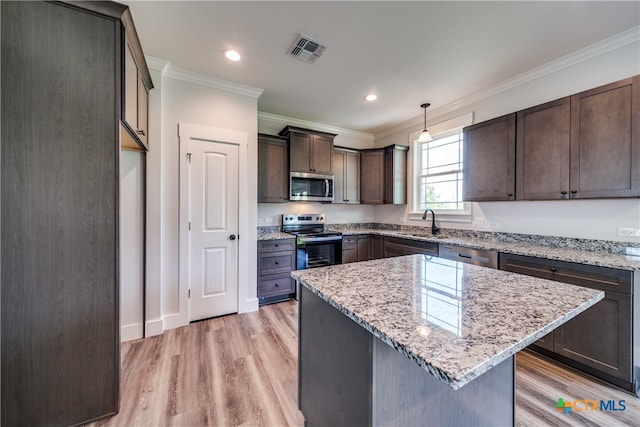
371 97
232 55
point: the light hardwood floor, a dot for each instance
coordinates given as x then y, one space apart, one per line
241 370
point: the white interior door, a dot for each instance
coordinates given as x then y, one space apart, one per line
213 234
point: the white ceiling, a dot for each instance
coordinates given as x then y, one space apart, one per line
407 52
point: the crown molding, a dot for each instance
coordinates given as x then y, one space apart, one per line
168 70
313 125
155 63
632 35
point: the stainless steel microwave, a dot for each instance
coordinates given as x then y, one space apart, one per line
310 187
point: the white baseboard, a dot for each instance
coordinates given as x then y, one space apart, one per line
248 306
130 332
154 327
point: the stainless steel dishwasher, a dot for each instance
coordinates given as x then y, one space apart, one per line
481 257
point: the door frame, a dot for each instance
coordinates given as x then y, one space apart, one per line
187 132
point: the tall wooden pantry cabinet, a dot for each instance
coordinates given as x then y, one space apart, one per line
62 82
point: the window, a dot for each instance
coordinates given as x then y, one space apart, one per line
439 174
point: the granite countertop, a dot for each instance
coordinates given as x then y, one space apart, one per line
454 320
276 235
602 259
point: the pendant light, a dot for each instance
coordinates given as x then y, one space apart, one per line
424 136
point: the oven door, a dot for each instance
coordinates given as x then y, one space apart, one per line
318 252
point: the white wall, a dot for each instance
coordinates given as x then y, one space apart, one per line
270 214
183 97
131 244
592 219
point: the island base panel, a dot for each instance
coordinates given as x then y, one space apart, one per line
347 376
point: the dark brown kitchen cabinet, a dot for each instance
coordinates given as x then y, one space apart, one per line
490 160
372 177
276 260
364 247
60 151
599 340
135 99
309 151
605 141
273 177
395 246
346 172
377 247
349 249
542 168
383 175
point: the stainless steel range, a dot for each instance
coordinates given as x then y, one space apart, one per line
315 246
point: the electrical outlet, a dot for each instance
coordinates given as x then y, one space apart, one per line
628 232
478 222
268 220
493 225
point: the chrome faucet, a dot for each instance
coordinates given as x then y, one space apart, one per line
434 230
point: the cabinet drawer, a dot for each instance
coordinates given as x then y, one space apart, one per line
396 246
275 262
479 257
279 245
349 240
593 277
281 284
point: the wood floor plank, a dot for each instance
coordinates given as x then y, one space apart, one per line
241 370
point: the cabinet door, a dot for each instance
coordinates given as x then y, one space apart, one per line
372 177
364 248
349 249
543 151
322 154
377 247
546 341
339 176
605 141
300 148
600 337
273 177
130 89
395 175
490 159
352 177
143 113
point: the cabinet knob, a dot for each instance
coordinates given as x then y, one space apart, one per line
277 245
276 285
553 269
563 192
277 262
140 132
509 194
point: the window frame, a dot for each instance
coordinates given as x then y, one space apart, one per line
463 215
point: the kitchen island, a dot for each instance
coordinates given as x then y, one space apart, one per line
418 340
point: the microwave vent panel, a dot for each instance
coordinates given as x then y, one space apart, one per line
307 49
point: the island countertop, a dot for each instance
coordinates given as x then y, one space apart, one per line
454 320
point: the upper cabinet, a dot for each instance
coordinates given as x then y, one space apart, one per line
543 151
383 175
346 169
135 97
309 151
489 160
273 157
605 141
579 147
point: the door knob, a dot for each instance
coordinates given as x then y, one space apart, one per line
232 237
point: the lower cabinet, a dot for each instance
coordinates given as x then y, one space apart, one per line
357 248
349 249
394 246
377 247
599 340
276 260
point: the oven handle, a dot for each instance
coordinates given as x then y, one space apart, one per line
320 239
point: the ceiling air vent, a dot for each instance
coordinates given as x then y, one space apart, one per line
306 49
